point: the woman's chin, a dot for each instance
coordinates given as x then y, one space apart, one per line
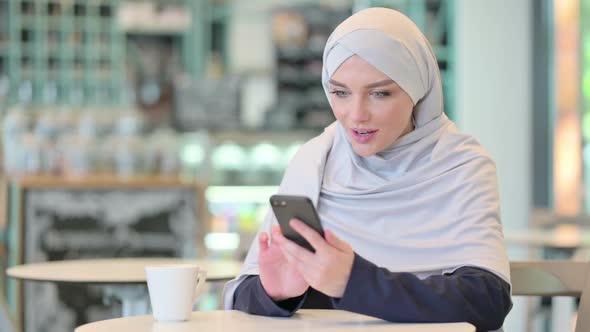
364 151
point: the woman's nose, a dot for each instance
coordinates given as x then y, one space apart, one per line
360 112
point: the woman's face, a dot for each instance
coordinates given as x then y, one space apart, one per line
371 107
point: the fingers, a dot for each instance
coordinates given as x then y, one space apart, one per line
263 241
276 229
314 238
276 233
294 251
335 241
289 256
276 236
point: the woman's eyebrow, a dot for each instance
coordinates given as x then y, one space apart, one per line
342 85
369 86
380 83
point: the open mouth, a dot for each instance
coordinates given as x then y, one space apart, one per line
364 132
363 136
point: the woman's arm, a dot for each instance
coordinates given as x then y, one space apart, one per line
251 297
469 294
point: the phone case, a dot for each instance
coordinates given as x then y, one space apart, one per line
287 207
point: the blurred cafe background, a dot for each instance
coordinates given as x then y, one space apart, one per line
159 128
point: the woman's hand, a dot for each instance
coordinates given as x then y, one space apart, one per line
328 269
280 279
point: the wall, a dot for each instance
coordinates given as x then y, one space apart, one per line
493 71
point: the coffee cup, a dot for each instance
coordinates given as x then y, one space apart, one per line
173 289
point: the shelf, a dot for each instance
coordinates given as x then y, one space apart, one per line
106 181
154 31
27 22
240 194
69 38
221 12
28 50
298 54
252 137
441 52
308 103
54 22
300 80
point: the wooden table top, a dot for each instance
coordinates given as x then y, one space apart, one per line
115 270
303 320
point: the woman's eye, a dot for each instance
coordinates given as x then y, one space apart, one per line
381 93
339 93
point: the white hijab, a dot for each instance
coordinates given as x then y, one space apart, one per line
429 203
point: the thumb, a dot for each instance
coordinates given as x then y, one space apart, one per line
263 241
335 242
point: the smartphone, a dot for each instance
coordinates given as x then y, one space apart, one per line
287 207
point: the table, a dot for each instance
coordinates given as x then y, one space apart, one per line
303 320
562 236
117 272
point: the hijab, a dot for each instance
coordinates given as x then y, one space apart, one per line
428 204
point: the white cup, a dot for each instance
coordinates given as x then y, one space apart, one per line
173 290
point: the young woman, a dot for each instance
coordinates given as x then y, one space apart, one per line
409 203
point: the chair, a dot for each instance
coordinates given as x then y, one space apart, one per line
554 278
6 323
